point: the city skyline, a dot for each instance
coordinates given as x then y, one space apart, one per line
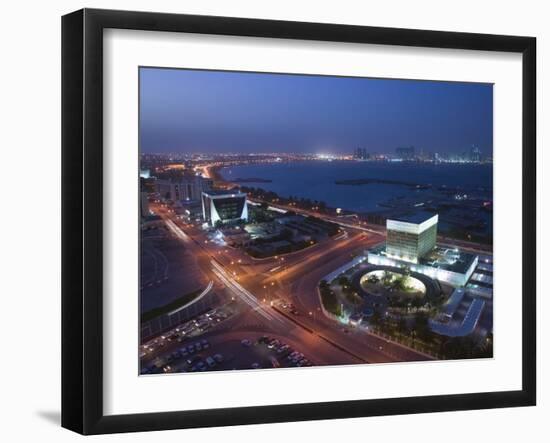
187 111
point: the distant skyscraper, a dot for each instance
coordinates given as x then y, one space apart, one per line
475 154
405 153
361 154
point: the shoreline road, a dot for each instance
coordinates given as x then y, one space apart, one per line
381 230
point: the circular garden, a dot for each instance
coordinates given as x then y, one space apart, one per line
384 286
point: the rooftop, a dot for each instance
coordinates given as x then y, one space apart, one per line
449 259
153 217
416 217
224 192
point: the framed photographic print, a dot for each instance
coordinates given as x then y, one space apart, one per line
269 221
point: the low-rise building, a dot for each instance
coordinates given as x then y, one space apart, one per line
235 236
151 222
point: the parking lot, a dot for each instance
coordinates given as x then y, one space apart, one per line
211 354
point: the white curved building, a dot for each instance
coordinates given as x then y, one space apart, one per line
224 206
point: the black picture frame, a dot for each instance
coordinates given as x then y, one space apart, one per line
82 215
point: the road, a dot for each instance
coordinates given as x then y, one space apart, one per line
260 286
352 223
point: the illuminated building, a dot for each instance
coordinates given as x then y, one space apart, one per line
361 154
224 207
405 153
186 187
475 154
411 243
412 237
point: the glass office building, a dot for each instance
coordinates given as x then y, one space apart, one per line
224 207
411 243
411 238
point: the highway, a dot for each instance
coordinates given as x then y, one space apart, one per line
255 316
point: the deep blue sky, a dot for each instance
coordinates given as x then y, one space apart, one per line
212 111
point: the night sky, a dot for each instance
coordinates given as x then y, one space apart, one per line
211 111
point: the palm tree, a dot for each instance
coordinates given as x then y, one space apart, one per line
376 319
401 325
398 284
373 279
343 280
387 277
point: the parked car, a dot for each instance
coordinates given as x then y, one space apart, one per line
193 359
282 348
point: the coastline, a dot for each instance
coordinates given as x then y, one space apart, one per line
213 172
440 198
